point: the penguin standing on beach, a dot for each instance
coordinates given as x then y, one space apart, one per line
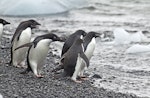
22 36
68 43
89 47
71 39
2 24
72 60
38 50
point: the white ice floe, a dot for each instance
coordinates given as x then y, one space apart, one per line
138 49
123 37
34 7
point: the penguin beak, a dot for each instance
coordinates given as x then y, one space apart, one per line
97 35
35 25
38 23
5 23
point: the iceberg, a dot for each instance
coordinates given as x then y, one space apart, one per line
121 36
138 49
37 7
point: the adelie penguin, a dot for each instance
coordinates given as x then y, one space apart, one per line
38 50
2 24
68 43
89 47
71 39
22 36
72 60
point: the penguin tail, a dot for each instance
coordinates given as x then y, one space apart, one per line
57 68
26 71
64 74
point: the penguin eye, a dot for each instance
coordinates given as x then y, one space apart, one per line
55 37
4 22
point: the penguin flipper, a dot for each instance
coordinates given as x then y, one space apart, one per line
85 59
25 45
17 34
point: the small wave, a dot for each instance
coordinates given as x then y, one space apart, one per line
90 7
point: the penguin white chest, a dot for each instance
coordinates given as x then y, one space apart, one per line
25 36
77 67
1 30
90 48
38 54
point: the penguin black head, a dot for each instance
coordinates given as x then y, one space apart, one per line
54 37
80 32
4 22
33 23
51 36
94 34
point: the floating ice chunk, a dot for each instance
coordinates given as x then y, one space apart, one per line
123 37
36 7
138 37
138 49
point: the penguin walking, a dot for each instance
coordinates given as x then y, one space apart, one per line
89 47
68 43
72 60
22 36
2 24
38 50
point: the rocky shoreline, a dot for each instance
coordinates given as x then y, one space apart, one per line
15 85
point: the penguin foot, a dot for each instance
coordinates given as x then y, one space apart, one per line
17 66
20 66
39 76
77 81
23 66
84 78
